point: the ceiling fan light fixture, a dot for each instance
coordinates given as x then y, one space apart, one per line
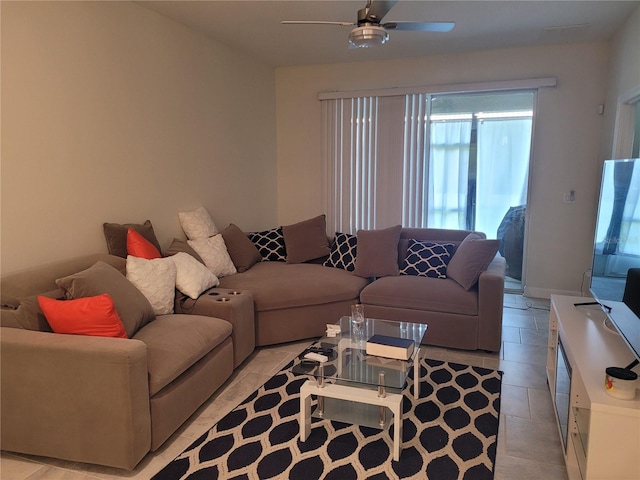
368 36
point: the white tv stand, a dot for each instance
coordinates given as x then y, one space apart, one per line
603 433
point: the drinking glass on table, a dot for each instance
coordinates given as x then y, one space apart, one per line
357 318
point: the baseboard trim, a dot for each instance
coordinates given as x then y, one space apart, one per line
535 292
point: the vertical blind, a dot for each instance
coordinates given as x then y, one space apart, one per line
362 147
415 168
351 126
389 160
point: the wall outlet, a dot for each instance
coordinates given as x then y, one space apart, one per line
570 197
586 282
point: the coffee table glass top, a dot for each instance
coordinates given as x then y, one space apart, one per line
348 361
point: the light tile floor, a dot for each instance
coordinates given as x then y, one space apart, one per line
528 442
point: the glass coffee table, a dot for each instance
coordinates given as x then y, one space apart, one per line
354 387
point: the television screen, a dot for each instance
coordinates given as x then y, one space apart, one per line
617 244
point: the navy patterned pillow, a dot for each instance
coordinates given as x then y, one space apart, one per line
427 259
270 244
343 252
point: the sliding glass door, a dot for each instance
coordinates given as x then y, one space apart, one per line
480 146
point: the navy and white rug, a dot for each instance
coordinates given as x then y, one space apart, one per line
449 433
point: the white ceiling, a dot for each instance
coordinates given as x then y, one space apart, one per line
254 26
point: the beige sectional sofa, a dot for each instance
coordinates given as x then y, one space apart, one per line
458 317
110 401
101 400
296 301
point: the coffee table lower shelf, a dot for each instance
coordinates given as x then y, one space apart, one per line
346 411
350 404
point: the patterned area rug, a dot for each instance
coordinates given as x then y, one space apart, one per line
449 433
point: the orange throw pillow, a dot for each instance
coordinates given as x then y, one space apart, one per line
95 316
138 246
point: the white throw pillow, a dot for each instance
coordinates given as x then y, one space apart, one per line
214 252
192 277
156 279
197 224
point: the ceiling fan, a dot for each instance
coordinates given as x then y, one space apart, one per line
369 31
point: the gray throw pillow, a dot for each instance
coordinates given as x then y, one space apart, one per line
306 240
178 246
116 236
242 251
28 315
378 252
471 258
132 306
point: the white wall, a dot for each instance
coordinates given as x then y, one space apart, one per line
111 112
624 76
566 144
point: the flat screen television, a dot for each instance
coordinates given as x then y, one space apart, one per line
617 247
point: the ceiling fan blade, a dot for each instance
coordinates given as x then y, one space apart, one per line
420 26
316 22
379 8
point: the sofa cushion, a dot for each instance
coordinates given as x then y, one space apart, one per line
95 316
421 293
215 255
427 259
270 244
242 251
306 240
156 279
343 252
178 246
116 236
176 342
138 246
42 279
28 315
471 258
378 252
277 285
439 235
133 308
197 224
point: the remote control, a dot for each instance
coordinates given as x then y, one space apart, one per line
317 357
322 351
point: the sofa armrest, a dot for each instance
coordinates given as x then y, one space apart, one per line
74 397
238 310
490 305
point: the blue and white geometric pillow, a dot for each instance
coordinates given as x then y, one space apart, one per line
427 259
343 252
270 244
